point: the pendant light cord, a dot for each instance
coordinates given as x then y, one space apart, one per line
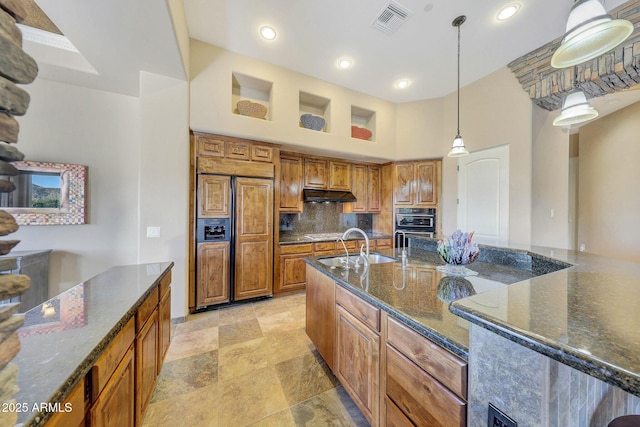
458 135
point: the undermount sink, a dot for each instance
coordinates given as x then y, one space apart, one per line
339 261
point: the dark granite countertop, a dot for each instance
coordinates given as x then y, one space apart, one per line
585 316
418 295
62 338
289 238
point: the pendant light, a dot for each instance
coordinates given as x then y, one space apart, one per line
457 148
590 32
575 108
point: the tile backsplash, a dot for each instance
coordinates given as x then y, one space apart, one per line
323 218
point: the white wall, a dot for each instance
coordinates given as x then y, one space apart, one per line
550 181
164 178
71 124
212 106
608 196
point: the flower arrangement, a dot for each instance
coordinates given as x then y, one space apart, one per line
458 249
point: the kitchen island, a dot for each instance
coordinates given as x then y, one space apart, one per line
398 315
71 344
551 337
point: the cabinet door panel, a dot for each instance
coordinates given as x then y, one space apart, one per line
146 364
403 184
359 189
254 238
291 185
339 176
292 272
213 196
315 173
357 362
212 273
115 405
425 183
374 190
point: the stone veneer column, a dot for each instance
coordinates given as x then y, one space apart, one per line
535 390
16 67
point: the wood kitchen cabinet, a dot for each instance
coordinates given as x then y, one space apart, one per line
212 281
320 315
425 382
315 173
291 185
416 184
115 405
293 274
213 196
339 176
254 238
357 352
146 353
366 186
76 417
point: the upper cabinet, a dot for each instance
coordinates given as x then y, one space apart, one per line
366 186
339 176
416 183
213 196
315 173
291 184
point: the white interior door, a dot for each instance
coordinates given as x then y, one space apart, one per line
483 194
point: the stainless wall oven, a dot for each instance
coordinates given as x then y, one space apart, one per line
416 221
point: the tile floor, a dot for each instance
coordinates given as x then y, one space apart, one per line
248 365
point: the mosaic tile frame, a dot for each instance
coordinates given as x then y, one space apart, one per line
73 199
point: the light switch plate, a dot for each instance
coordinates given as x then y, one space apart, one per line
153 231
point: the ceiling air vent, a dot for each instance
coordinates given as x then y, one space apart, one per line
391 17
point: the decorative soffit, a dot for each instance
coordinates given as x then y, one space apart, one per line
615 71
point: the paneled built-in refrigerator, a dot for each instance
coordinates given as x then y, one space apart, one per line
234 239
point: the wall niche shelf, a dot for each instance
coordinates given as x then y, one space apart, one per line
252 91
317 106
364 119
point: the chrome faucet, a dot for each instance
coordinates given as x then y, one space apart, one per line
365 257
346 261
404 244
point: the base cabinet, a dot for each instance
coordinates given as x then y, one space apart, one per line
321 308
357 362
115 405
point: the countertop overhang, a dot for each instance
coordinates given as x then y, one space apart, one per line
585 316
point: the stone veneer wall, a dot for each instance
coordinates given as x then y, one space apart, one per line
616 70
16 67
535 390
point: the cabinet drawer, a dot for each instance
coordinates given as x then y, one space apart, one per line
165 283
210 147
296 249
363 311
261 153
438 362
238 150
147 308
395 417
324 247
419 396
109 360
351 245
384 243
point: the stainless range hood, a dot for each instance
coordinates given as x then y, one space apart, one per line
328 196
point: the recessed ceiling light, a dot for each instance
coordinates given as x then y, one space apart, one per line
402 83
345 63
268 32
508 11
